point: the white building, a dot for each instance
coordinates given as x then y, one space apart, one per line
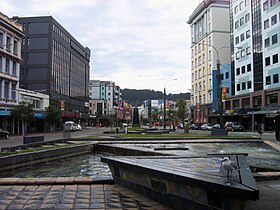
210 36
107 91
10 57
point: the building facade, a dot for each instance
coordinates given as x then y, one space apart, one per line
11 35
55 63
210 34
106 90
255 27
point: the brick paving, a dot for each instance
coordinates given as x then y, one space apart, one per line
90 196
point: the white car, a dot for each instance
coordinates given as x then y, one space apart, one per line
206 127
71 124
79 127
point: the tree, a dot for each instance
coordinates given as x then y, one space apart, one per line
53 116
181 105
112 120
23 113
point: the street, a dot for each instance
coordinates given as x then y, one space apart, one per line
18 140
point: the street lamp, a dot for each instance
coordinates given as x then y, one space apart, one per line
219 86
164 103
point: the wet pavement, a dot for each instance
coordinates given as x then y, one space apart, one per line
91 196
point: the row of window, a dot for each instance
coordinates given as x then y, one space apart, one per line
8 66
243 69
274 40
275 79
242 21
240 6
241 38
243 52
271 2
273 21
11 44
274 60
242 86
8 89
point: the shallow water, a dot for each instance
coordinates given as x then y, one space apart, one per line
89 165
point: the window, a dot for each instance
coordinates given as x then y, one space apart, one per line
7 69
242 37
238 87
273 20
243 69
247 18
237 71
242 53
265 6
235 9
1 62
237 55
248 34
274 39
275 78
275 58
273 2
15 49
268 80
242 21
222 76
14 91
1 39
249 67
8 43
249 84
236 25
14 68
227 75
246 2
266 24
243 85
266 42
248 50
6 91
237 40
241 5
267 61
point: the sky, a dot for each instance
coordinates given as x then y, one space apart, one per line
138 44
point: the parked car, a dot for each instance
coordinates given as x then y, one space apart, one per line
4 134
79 127
72 125
180 126
194 127
216 126
206 127
233 126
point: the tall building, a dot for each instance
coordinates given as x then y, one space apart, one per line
210 34
255 27
55 63
11 35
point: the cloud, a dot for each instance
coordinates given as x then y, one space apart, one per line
126 37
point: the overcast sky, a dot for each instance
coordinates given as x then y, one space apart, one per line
138 44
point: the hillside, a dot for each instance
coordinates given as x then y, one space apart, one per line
137 97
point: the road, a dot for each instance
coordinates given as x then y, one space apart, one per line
18 140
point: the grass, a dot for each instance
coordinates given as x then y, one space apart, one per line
34 149
180 136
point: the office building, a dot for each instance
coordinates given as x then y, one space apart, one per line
55 63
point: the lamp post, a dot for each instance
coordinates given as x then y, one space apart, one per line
164 103
219 86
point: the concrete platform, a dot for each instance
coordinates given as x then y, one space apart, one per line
186 182
81 196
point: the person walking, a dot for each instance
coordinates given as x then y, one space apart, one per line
277 126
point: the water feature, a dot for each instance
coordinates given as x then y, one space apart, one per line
87 165
258 153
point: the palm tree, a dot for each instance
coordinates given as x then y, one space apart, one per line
181 105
